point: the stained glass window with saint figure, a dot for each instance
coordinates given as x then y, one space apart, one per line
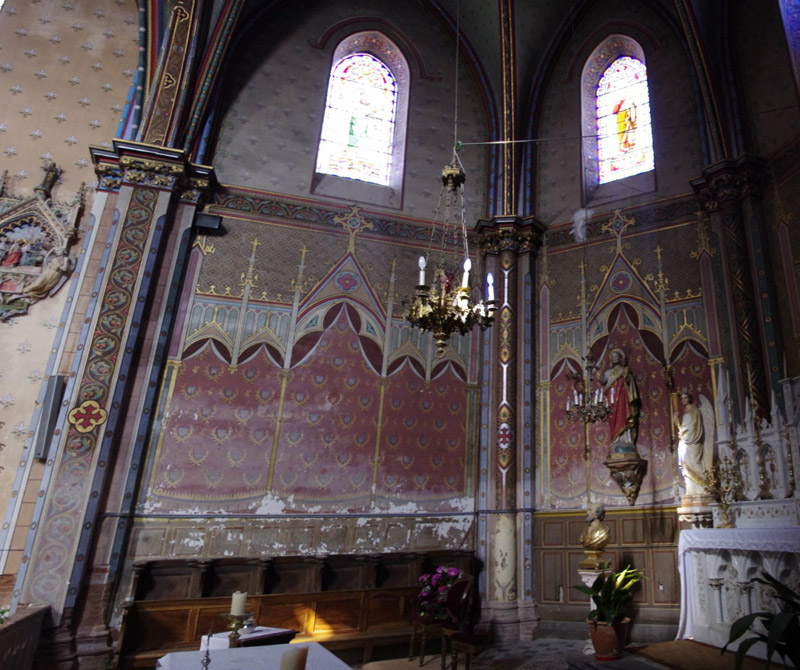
624 130
358 127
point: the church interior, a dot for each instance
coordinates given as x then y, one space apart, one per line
307 300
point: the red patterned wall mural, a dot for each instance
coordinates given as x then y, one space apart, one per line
327 441
631 324
423 436
218 431
244 431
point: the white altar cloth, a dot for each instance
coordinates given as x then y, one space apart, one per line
251 658
731 539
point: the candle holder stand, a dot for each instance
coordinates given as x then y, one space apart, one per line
236 622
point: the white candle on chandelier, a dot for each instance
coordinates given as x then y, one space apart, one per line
422 270
568 404
465 277
612 395
490 282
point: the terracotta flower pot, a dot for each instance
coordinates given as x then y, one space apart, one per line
608 641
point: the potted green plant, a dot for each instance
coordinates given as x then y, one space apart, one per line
781 629
610 592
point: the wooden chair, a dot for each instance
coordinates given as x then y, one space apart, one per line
468 643
456 607
459 599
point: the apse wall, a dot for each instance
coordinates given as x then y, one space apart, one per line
620 271
300 413
277 85
768 93
562 174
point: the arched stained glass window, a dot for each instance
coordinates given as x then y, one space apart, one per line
359 123
624 130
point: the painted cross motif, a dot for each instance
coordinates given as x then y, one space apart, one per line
87 416
504 436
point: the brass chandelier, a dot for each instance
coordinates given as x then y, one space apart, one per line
444 307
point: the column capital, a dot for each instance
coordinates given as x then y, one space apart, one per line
510 233
728 180
162 168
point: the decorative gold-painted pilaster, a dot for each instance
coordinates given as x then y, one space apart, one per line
509 240
171 75
721 191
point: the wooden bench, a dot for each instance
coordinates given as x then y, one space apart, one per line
337 619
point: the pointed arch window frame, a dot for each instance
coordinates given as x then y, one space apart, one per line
606 53
377 45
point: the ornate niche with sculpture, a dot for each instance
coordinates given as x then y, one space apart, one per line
35 234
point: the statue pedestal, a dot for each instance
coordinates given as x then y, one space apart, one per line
627 470
593 563
587 578
696 510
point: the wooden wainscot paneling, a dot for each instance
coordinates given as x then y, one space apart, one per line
396 570
228 575
664 584
633 531
349 573
337 619
167 580
663 529
552 578
294 574
553 533
645 538
341 601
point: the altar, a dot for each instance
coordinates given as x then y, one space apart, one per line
716 566
251 658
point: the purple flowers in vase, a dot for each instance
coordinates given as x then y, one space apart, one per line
432 597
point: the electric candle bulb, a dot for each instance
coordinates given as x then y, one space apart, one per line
490 281
422 270
465 277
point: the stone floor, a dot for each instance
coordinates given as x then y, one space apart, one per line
544 653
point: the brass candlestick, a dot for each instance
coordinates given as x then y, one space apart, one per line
720 481
207 656
236 621
790 464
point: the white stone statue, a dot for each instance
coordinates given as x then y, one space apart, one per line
695 443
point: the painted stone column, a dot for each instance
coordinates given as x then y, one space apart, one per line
507 478
727 191
151 183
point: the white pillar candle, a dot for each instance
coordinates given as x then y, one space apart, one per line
294 658
238 600
612 395
422 270
465 276
490 281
